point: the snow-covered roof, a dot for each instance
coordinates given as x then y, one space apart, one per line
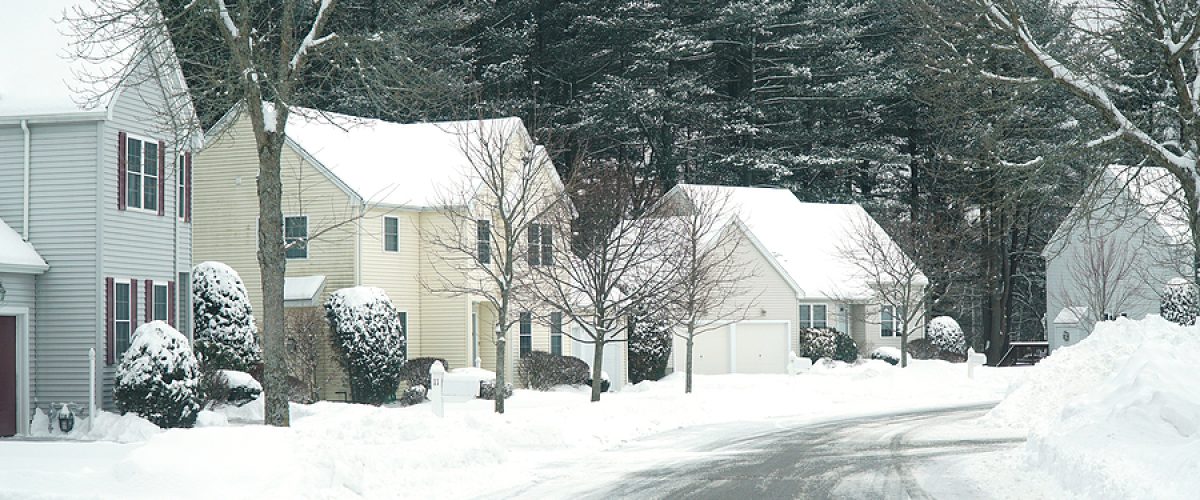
805 240
306 289
17 255
390 163
40 75
1159 193
1070 315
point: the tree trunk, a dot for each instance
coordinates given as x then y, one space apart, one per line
904 348
597 359
687 384
501 343
272 265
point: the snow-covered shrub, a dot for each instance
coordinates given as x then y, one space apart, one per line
817 343
649 347
224 328
886 353
1180 302
414 394
542 371
368 337
227 387
416 371
159 378
945 333
487 390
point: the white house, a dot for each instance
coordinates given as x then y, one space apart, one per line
1115 252
95 179
802 279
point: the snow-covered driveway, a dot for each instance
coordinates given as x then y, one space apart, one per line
936 453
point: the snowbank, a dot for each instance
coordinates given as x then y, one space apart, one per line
1116 415
127 428
345 450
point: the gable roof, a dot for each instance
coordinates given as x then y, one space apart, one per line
1153 190
51 77
394 164
804 241
17 255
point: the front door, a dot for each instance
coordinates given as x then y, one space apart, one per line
8 376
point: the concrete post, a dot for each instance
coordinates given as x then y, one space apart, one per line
437 376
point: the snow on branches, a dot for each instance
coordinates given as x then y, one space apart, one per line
224 324
159 378
370 341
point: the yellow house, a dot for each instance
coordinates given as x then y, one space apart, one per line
362 201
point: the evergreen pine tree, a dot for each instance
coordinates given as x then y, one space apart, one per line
224 328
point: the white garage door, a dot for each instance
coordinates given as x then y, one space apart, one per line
761 348
756 347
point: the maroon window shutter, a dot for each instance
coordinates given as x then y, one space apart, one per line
187 186
110 344
121 170
149 300
171 303
162 177
132 307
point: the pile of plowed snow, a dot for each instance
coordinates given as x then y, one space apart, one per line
1118 414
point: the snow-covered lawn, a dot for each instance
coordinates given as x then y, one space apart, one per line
1116 415
344 450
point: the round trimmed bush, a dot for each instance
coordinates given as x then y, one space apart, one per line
223 327
1180 302
159 378
649 348
542 371
886 353
369 339
945 333
817 343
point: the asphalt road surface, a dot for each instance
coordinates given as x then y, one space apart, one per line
877 457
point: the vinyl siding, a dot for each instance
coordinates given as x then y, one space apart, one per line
138 244
1139 237
869 326
225 220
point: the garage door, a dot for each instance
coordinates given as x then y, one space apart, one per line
761 348
755 348
710 353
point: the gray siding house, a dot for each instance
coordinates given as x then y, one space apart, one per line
1115 253
94 178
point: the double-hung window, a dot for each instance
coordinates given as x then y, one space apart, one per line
541 245
483 241
160 309
391 234
142 174
526 334
891 319
814 316
181 186
295 236
556 333
122 317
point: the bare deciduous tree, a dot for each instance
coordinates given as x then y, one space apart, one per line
483 249
895 281
618 260
1104 280
710 289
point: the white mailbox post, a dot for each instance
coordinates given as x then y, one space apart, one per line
974 359
437 376
797 364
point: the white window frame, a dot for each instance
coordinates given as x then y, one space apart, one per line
524 335
556 332
140 207
481 243
166 301
539 250
181 185
811 321
385 233
894 324
403 317
130 321
306 245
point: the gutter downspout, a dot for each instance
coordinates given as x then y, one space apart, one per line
25 186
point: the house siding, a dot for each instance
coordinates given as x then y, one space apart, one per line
1127 225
